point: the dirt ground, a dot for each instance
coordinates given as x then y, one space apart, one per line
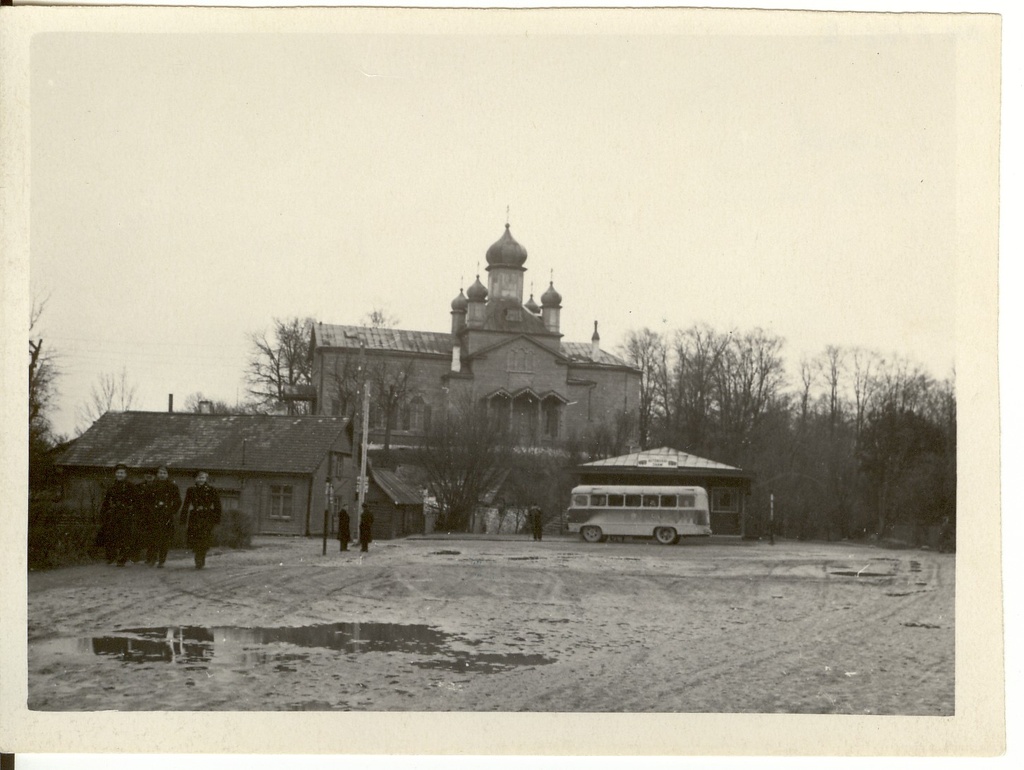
502 625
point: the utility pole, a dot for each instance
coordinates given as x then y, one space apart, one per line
362 463
771 517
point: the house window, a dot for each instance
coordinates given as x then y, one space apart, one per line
280 501
725 500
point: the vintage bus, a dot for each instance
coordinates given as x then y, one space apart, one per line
664 513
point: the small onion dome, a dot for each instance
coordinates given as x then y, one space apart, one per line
551 298
532 306
477 292
506 252
460 303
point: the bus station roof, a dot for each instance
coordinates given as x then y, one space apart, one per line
663 457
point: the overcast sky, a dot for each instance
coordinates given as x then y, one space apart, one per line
186 189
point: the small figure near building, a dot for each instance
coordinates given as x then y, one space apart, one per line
117 518
344 528
163 502
200 514
365 528
537 522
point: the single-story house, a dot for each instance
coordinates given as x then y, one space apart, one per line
728 487
273 469
397 505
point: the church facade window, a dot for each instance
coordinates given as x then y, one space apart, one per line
519 360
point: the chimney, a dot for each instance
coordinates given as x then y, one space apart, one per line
170 402
595 344
456 357
205 407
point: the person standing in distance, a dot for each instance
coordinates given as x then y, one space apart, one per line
117 515
200 514
344 528
537 522
365 528
164 502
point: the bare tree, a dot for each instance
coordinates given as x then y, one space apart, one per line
391 386
464 454
645 349
380 318
197 403
42 376
281 362
110 393
42 373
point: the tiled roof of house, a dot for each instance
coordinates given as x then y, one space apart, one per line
663 457
399 491
213 442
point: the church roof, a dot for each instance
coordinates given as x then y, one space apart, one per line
581 352
440 343
397 340
507 315
506 251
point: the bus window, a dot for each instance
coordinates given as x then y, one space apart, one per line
687 501
668 501
615 500
650 501
598 500
632 501
580 501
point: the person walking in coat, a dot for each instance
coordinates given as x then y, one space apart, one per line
162 504
536 522
200 513
117 518
344 529
365 528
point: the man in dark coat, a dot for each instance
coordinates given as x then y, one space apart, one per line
344 529
536 522
161 505
200 513
117 518
365 528
143 493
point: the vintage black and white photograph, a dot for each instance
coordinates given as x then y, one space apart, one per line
594 363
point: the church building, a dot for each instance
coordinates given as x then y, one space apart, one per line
499 351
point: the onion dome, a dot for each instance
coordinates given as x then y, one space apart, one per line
532 306
506 252
551 298
460 303
477 292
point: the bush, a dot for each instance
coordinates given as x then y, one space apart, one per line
234 531
58 535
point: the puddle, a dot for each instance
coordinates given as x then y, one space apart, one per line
234 646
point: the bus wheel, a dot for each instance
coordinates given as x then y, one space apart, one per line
666 535
591 534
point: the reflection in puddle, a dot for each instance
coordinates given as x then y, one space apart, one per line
246 646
